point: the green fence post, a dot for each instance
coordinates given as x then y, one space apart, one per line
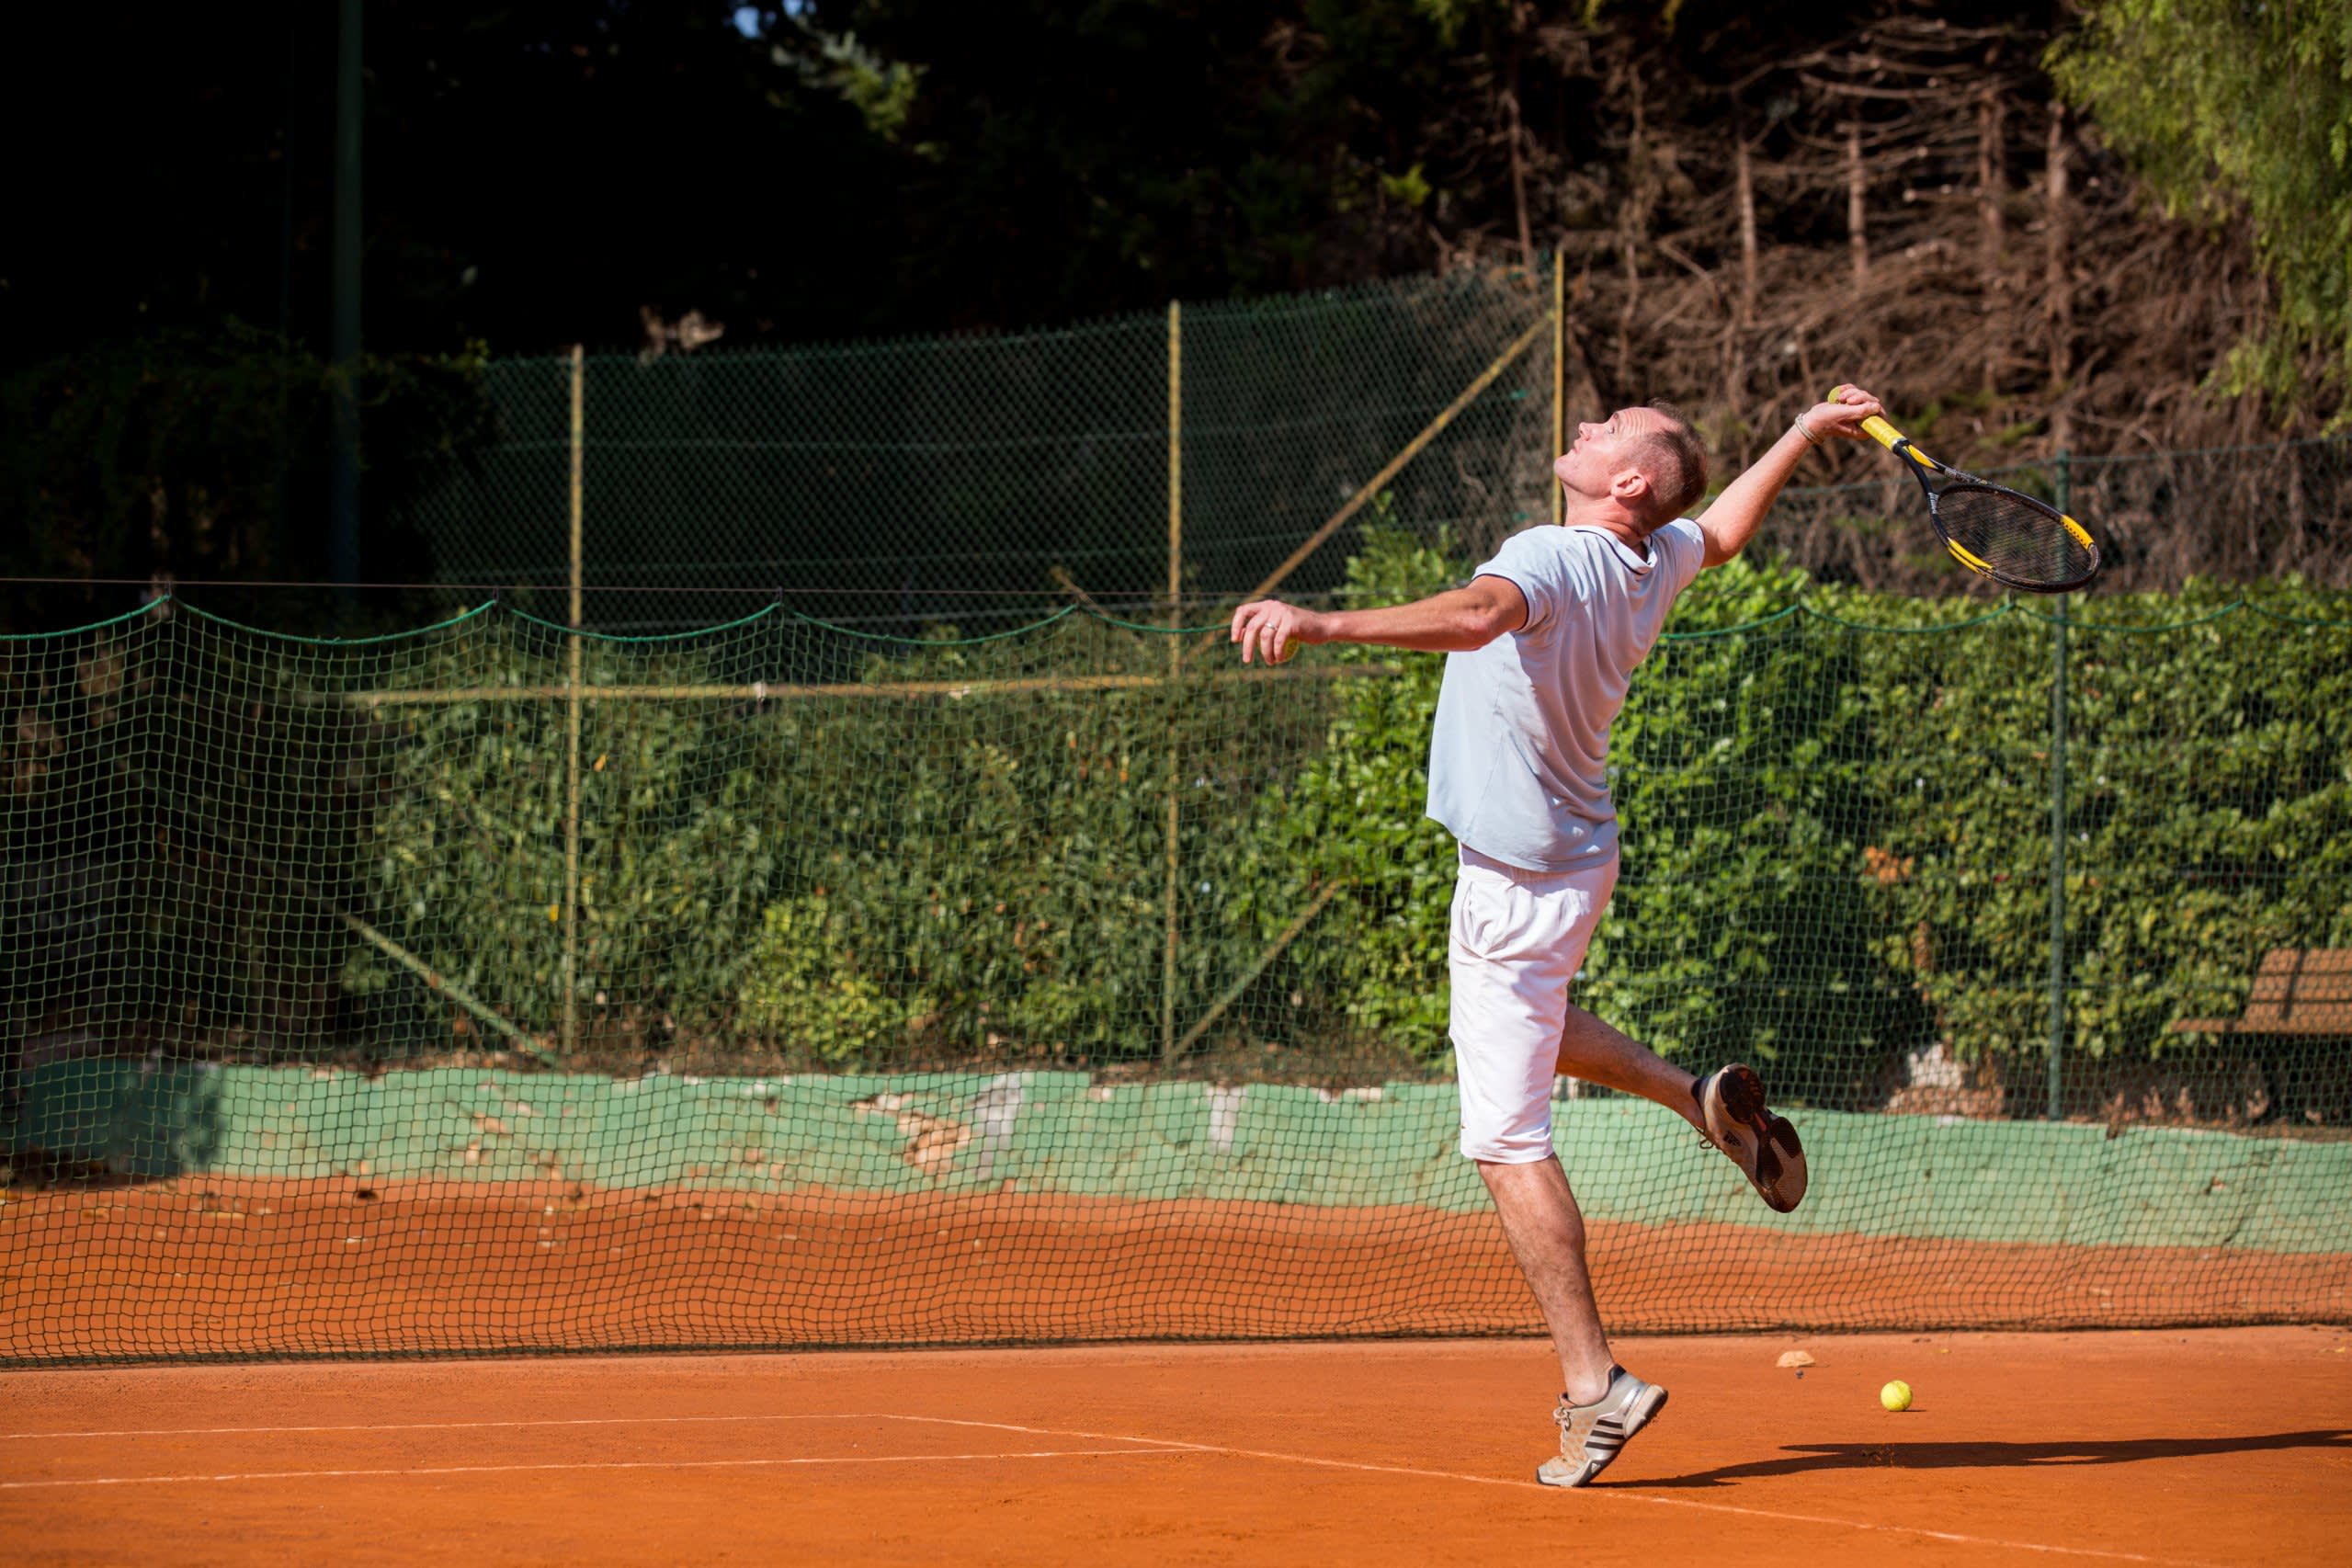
2058 834
571 1019
1176 663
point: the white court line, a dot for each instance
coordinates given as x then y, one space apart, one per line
1604 1491
1159 1445
580 1464
457 1425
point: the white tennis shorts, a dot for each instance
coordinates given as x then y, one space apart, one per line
1518 938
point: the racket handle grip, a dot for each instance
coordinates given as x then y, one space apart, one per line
1879 429
1881 432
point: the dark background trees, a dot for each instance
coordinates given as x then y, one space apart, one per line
1749 197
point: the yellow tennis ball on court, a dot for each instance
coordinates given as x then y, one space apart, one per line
1896 1395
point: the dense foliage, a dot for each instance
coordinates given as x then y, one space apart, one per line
851 878
202 455
2240 113
802 845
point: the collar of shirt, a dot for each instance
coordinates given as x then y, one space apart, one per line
1636 560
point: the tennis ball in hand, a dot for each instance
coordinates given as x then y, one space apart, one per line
1896 1395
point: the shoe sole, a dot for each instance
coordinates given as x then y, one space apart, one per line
1644 1411
1778 1160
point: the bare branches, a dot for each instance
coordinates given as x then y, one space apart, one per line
1887 207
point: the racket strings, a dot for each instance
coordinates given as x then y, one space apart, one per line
2018 540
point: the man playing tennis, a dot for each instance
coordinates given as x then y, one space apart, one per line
1539 649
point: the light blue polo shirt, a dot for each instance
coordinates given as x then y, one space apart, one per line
1519 757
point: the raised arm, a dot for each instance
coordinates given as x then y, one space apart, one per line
1739 511
1458 619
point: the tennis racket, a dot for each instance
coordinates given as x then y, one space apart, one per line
1995 532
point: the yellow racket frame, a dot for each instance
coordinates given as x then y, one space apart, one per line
1903 445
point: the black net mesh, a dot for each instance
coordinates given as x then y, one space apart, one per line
897 485
493 988
979 483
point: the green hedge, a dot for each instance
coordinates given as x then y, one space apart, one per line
854 879
800 844
1836 824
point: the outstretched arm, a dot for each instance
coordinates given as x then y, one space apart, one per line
1459 619
1739 511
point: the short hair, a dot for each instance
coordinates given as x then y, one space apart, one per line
1676 465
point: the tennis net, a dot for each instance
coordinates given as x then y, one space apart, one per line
493 987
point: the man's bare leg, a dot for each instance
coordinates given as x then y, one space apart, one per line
1597 1054
1547 1235
1765 1147
1539 1214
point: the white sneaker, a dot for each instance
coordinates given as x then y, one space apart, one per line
1591 1435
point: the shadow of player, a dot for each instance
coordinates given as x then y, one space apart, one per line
1807 1458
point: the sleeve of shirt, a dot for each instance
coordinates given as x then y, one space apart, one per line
1685 550
1533 560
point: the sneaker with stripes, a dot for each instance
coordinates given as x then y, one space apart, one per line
1591 1435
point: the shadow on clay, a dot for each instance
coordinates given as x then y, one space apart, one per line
1806 1458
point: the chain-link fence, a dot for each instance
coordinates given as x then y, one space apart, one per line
908 483
561 944
2164 521
523 956
976 481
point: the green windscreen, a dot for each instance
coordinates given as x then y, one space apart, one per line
493 987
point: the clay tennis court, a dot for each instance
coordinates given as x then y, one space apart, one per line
2219 1446
2163 1445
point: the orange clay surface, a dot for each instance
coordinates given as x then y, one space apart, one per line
2200 1446
222 1267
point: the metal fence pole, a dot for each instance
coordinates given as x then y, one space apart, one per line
1176 657
571 726
2055 1109
343 461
